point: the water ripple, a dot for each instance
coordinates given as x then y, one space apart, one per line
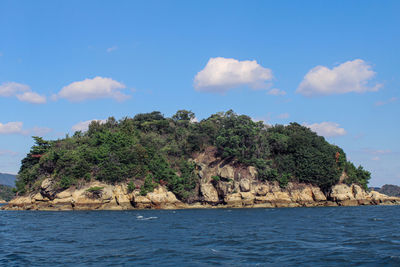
333 236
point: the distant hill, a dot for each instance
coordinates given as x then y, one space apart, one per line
390 190
6 193
7 179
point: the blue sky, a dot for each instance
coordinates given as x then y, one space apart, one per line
333 66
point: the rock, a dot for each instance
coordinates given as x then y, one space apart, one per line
48 188
262 190
64 194
281 197
341 192
224 188
244 185
302 194
20 201
161 196
226 172
141 202
378 198
358 192
317 194
233 200
247 198
121 196
348 202
39 197
253 172
209 193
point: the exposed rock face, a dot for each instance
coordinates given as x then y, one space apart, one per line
233 185
209 193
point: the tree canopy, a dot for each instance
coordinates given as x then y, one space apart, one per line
157 150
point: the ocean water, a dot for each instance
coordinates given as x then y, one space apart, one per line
330 236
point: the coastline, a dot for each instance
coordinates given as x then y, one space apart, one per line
261 195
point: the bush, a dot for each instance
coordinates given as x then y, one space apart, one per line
131 186
157 149
148 185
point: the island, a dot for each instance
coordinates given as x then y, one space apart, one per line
224 161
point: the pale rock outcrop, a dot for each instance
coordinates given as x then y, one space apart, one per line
341 192
301 193
224 188
209 193
234 200
358 192
244 185
247 198
253 172
262 189
226 172
48 188
236 187
160 196
141 202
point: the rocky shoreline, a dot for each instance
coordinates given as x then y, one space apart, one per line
221 184
264 195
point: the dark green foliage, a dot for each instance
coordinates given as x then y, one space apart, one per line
357 175
216 178
157 150
148 185
6 192
304 156
131 186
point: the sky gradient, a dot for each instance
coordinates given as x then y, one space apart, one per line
332 66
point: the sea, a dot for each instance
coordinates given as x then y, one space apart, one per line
325 236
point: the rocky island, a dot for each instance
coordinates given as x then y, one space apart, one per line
153 162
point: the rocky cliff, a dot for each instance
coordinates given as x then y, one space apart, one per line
222 184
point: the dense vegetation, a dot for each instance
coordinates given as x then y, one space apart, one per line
6 192
155 150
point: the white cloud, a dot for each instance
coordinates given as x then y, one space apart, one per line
17 128
31 97
381 103
11 128
375 158
351 76
113 48
22 91
222 74
276 91
326 129
84 125
9 89
283 116
97 87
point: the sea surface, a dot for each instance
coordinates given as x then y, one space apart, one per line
329 236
